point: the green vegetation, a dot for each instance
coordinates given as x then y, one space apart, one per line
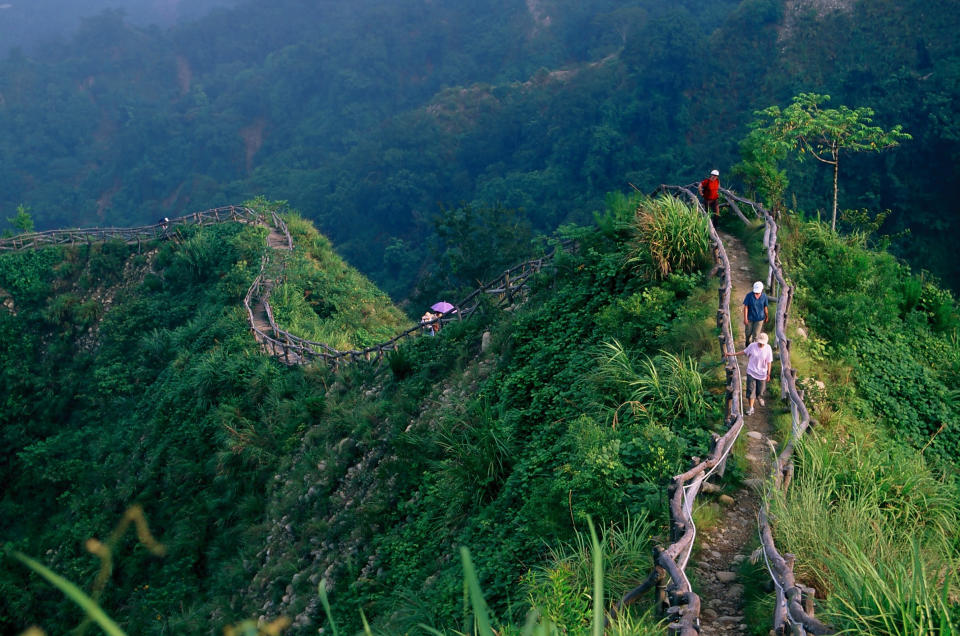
871 513
669 238
263 481
325 300
896 331
431 141
374 117
806 127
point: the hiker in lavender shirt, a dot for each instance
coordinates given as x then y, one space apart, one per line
759 360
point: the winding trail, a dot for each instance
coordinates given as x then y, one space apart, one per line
726 545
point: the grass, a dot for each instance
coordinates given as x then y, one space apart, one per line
858 504
664 386
871 524
325 300
580 577
669 237
74 593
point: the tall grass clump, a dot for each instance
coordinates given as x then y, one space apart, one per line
669 237
564 592
661 388
872 527
909 597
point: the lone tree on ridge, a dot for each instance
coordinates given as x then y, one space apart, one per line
821 132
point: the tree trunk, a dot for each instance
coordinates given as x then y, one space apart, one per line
836 170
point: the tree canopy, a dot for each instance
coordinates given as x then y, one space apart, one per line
808 128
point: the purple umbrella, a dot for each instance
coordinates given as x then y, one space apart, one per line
442 306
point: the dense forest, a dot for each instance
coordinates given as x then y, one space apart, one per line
415 149
372 117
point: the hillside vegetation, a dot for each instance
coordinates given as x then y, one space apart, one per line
263 480
131 378
871 512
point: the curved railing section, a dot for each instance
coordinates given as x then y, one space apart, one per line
794 606
278 342
289 348
158 231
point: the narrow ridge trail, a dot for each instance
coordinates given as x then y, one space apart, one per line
260 316
723 547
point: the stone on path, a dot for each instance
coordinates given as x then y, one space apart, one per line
726 577
726 500
755 434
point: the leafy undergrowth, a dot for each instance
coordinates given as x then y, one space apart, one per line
264 481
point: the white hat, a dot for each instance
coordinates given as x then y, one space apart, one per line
763 338
757 287
715 173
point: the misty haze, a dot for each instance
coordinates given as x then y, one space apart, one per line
320 314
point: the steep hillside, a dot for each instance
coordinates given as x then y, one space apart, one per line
263 480
130 376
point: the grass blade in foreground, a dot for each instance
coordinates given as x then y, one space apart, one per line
480 611
597 552
74 593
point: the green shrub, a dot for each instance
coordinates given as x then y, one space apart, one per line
672 235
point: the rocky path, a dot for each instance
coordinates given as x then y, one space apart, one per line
275 241
723 547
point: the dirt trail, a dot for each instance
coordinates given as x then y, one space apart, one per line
275 241
723 547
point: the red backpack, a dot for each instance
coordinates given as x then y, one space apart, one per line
711 188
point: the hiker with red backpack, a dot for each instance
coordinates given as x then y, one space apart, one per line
710 191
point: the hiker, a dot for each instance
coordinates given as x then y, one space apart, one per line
710 191
759 360
429 329
754 313
164 222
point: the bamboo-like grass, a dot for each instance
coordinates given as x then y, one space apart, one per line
672 234
872 528
662 387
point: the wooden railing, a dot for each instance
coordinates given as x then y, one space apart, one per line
159 231
677 599
511 285
289 348
794 607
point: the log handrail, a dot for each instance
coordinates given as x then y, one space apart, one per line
683 604
282 344
505 287
789 613
34 240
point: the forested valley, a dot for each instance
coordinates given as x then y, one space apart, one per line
172 454
373 117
